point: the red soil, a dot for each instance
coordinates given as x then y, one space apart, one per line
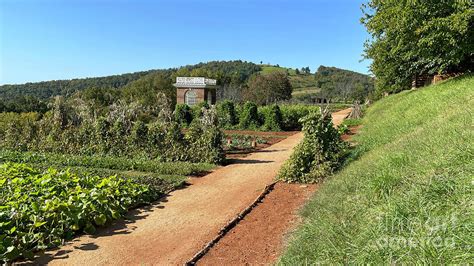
259 238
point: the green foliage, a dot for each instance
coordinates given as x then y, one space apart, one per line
235 72
249 118
145 90
417 37
352 122
206 143
197 109
119 132
343 85
23 104
343 129
183 115
272 118
227 114
406 195
47 89
268 88
44 160
40 209
292 115
317 155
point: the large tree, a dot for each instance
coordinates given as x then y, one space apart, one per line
410 38
268 88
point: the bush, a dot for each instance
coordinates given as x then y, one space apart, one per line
183 114
249 116
227 114
317 155
292 115
205 139
40 209
197 109
272 118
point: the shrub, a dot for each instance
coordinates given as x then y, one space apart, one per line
205 139
272 118
317 155
292 115
197 109
227 114
249 116
183 114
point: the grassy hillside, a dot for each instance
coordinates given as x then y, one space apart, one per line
407 194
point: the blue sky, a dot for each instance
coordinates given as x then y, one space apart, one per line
54 39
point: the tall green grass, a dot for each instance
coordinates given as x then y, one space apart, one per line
407 194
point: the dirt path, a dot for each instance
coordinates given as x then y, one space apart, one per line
172 231
338 117
260 237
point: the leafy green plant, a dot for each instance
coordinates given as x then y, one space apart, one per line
249 118
40 209
317 155
105 162
183 114
227 114
292 114
197 109
205 141
272 117
352 122
343 129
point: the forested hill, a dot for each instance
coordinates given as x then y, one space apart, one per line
236 72
333 83
342 85
46 89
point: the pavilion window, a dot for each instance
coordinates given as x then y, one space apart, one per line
190 98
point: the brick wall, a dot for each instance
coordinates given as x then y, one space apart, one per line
180 92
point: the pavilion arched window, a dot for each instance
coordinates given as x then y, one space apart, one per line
190 98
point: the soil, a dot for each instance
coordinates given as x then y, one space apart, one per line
352 131
269 141
260 237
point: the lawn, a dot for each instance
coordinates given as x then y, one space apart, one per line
406 193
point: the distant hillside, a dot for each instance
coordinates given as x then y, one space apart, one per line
46 89
226 72
328 82
343 85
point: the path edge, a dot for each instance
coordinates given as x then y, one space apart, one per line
231 224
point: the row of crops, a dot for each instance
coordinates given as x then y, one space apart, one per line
47 198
